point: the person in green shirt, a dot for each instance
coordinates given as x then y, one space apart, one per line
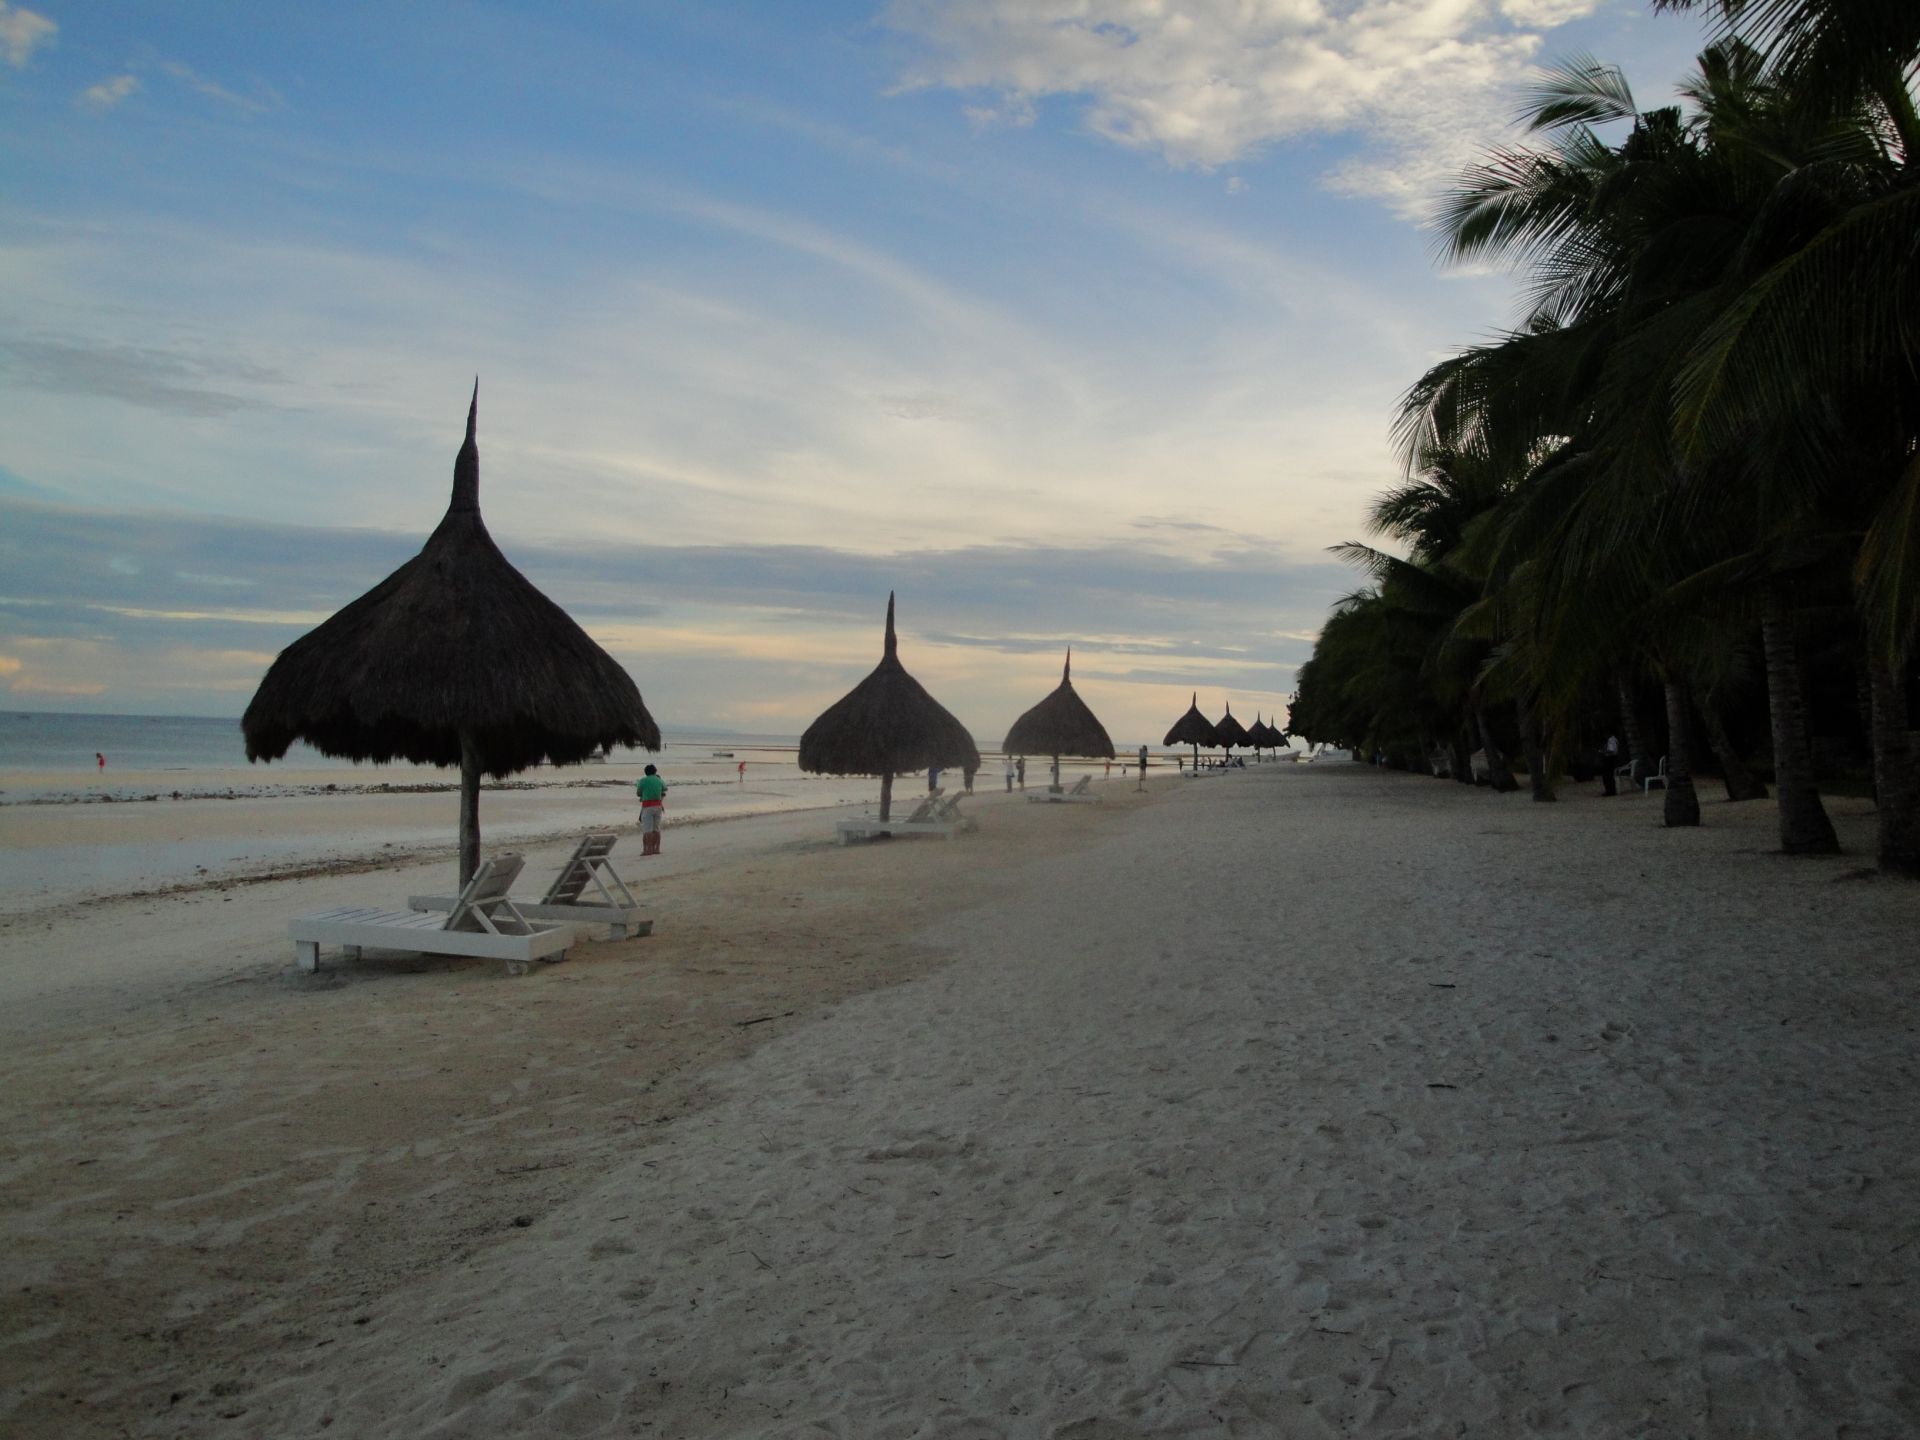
652 791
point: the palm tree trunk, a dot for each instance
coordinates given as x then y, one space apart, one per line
1499 774
469 808
1742 783
1630 723
1804 826
1896 772
886 796
1682 805
1462 756
1536 755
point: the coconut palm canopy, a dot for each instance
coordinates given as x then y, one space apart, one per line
1192 728
885 725
454 659
1059 725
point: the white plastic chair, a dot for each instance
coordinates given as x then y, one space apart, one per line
1659 777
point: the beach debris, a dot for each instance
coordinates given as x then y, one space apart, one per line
886 725
454 659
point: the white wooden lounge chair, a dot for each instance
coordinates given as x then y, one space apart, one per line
483 922
931 816
1080 794
587 891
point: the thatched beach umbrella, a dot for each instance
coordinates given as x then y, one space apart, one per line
884 725
454 659
1230 731
1262 735
1193 729
1060 725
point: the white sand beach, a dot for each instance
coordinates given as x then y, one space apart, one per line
1289 1102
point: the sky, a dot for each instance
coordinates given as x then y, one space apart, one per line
1074 322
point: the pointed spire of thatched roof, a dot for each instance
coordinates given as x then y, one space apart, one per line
1230 730
885 725
1192 728
455 642
1061 724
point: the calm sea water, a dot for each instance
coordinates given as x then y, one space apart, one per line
50 741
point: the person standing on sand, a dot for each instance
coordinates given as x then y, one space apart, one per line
1008 763
652 791
743 772
100 759
1020 771
1143 768
933 779
966 777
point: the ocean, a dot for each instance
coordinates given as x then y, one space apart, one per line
49 741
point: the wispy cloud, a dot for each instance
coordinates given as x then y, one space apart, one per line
176 381
263 100
1422 82
106 94
22 32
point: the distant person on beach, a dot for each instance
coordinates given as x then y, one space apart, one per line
1020 771
1007 764
966 777
100 759
933 779
743 772
1143 767
1109 774
652 791
1609 762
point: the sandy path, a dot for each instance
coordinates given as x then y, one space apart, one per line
207 1160
1310 1102
1315 1103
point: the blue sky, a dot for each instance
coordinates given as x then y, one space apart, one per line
1074 321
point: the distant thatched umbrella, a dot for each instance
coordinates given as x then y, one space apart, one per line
1230 731
1264 736
1193 729
454 659
1059 725
884 725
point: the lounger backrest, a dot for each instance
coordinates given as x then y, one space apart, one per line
924 810
485 894
577 874
1086 784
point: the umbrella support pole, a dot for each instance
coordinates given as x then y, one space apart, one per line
469 808
886 796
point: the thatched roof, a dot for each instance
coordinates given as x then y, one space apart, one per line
1192 728
456 640
1262 735
885 725
1230 730
1061 724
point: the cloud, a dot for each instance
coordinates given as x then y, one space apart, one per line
1424 83
709 630
157 379
9 665
22 32
263 100
107 93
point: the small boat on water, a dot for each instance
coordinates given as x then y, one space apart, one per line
723 754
